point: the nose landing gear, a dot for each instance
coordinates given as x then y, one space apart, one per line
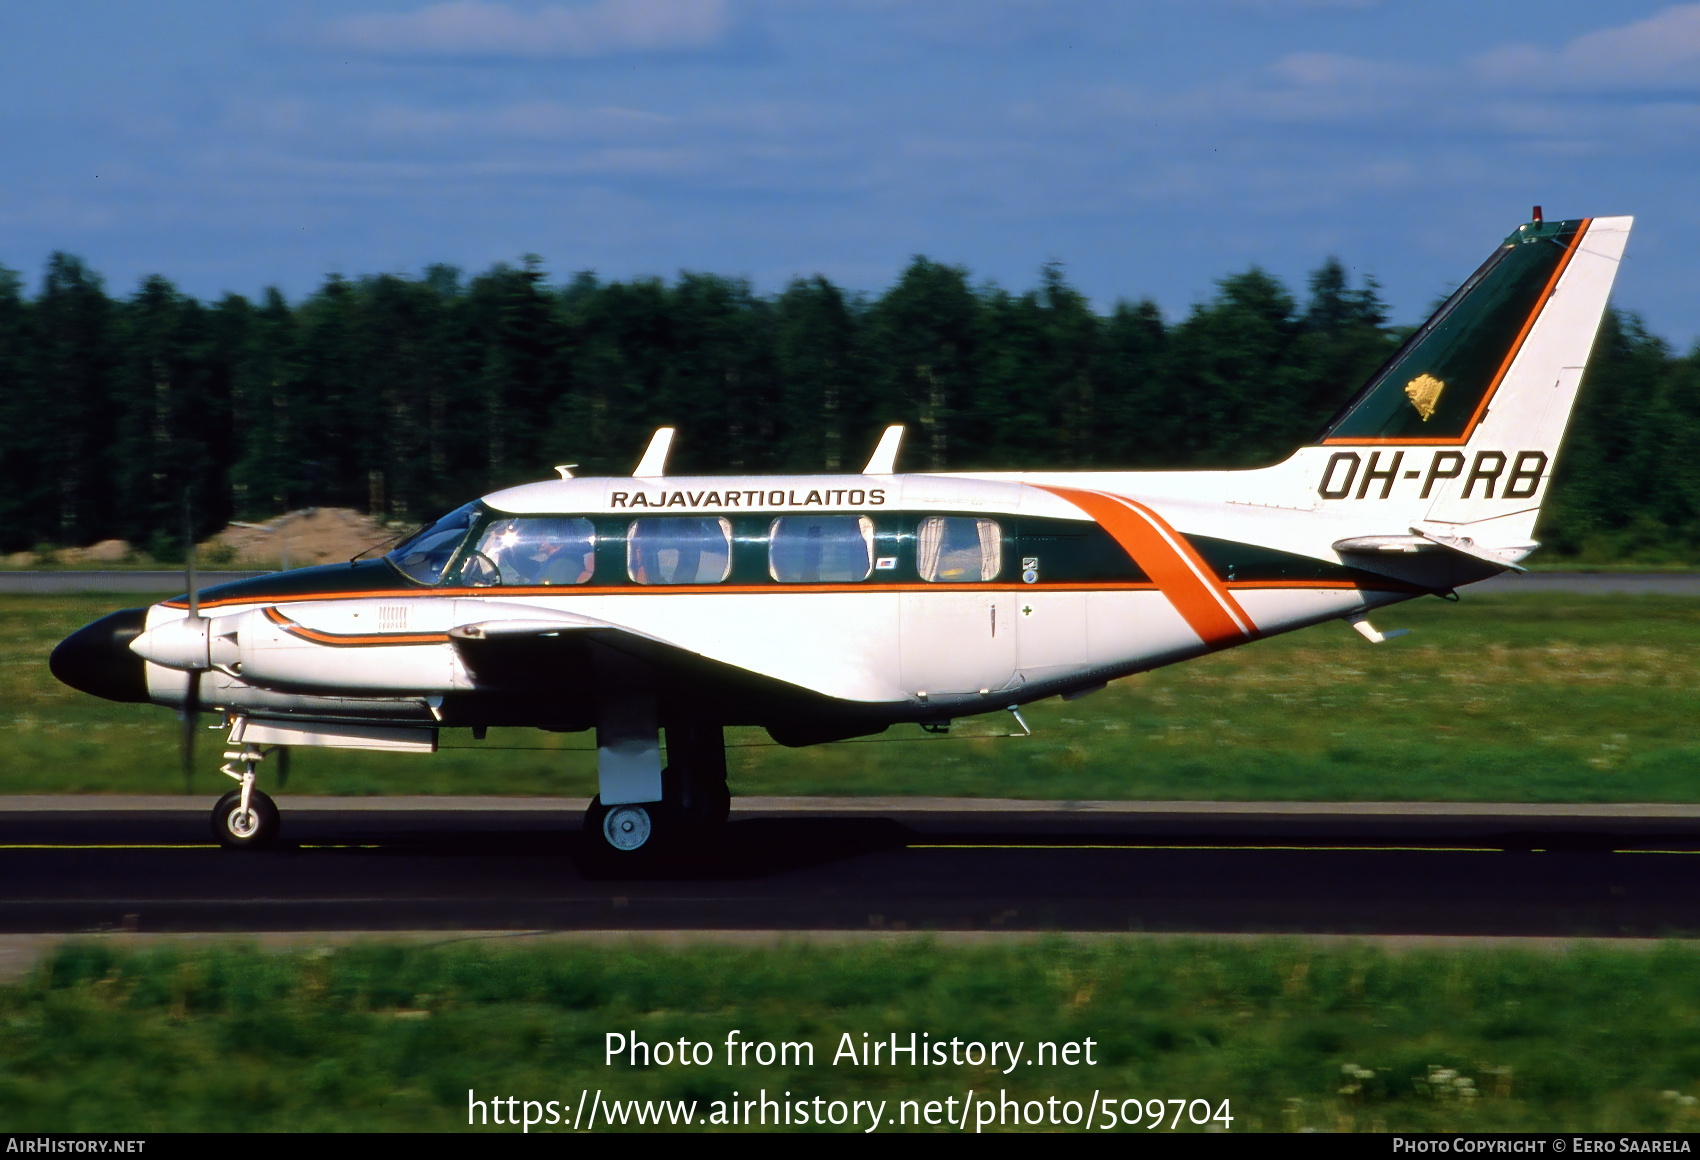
245 818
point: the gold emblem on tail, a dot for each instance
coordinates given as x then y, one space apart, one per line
1424 393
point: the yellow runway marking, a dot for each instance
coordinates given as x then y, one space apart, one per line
1130 846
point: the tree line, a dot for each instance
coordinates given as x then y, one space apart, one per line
406 396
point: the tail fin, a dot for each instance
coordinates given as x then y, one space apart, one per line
1462 425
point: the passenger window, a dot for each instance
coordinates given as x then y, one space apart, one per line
953 549
820 549
679 550
527 550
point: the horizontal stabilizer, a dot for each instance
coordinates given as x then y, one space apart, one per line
1421 543
1501 558
1437 563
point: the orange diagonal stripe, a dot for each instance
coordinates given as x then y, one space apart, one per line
1214 615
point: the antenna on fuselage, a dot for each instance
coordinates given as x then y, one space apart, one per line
654 461
884 459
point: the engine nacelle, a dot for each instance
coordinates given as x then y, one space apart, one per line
290 652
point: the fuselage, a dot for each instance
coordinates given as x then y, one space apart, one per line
851 602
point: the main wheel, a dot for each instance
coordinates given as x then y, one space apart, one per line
624 830
252 829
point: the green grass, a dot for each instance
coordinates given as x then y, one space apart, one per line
1544 697
380 1038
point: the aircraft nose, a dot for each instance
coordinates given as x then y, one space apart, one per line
97 658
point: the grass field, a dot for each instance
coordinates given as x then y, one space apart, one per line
1500 698
386 1038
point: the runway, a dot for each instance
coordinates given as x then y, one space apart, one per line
148 865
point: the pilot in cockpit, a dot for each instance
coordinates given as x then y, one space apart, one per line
542 551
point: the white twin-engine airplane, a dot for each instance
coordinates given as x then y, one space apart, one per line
826 607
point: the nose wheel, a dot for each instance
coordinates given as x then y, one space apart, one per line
244 818
250 827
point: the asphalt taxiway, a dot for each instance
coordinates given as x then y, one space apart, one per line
820 864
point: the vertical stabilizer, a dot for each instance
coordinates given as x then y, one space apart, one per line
1463 424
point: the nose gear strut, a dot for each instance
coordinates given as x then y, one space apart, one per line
245 818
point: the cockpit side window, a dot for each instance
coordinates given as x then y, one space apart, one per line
543 550
424 557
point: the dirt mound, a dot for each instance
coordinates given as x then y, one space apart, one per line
296 539
105 552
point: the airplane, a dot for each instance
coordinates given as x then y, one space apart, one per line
825 607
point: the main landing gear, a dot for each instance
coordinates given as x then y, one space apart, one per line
695 803
244 818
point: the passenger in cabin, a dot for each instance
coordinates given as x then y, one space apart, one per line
679 550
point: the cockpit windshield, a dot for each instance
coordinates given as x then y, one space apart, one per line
426 555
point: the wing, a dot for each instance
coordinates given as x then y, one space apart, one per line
542 653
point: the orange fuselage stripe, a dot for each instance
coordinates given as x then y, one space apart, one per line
339 638
1165 556
773 590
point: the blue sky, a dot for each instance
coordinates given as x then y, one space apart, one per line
1150 147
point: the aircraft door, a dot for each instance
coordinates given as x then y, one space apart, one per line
958 638
955 641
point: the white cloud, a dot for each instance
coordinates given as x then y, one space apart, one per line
1300 88
474 28
537 120
1291 6
1662 51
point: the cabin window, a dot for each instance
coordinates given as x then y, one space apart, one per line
424 555
954 549
533 550
820 549
679 550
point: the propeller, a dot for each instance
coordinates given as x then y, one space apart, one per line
192 691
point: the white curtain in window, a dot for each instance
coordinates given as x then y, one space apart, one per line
929 538
991 548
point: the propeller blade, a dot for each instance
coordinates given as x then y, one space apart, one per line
282 766
189 555
191 720
192 694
